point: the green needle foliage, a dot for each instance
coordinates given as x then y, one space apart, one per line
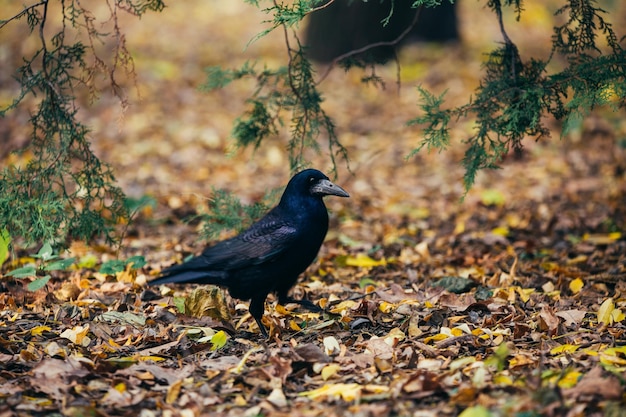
508 106
225 212
515 94
62 190
291 89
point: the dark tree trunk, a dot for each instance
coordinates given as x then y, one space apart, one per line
346 25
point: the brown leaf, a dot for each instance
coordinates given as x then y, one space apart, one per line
379 348
311 353
421 384
571 317
55 376
170 375
595 385
548 320
207 301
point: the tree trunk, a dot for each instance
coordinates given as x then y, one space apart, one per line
346 25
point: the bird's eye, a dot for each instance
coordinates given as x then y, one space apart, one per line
312 180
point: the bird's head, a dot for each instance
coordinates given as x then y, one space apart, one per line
315 183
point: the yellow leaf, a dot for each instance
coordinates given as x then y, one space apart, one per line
342 306
395 335
218 340
348 392
576 285
436 337
577 260
77 335
503 380
476 411
615 350
38 401
459 227
281 310
428 304
114 344
524 293
602 239
386 307
294 326
37 330
456 332
127 275
570 379
364 261
330 370
150 358
520 360
121 387
591 352
567 348
492 197
501 231
605 312
611 356
617 315
173 391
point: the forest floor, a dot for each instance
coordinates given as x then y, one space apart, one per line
510 301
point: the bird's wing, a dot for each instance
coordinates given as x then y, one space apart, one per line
262 242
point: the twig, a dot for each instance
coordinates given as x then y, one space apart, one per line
371 46
325 5
507 40
44 56
22 13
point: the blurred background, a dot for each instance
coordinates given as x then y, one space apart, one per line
173 141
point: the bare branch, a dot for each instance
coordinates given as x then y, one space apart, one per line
371 46
18 16
325 5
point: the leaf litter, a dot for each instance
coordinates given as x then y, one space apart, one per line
508 303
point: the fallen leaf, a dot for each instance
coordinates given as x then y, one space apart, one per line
595 383
329 371
548 320
331 345
605 312
364 261
576 285
277 398
173 391
77 335
571 317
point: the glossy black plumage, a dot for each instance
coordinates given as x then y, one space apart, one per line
269 256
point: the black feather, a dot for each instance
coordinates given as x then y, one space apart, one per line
269 256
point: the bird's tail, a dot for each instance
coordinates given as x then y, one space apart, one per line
187 273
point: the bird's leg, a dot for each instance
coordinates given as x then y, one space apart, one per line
284 299
257 307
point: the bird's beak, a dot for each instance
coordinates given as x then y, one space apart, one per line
326 187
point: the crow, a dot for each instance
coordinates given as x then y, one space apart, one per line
269 256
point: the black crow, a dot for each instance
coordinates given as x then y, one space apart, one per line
269 256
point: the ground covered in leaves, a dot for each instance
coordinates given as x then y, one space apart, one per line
509 302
